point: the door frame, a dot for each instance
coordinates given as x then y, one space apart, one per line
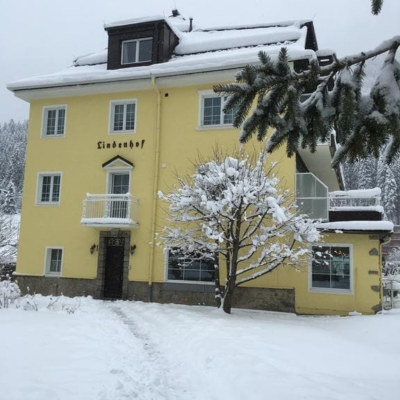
101 262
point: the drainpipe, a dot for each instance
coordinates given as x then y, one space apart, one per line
382 242
155 188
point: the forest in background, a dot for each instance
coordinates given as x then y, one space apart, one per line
370 173
12 162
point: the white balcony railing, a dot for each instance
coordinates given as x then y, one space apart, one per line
110 210
368 199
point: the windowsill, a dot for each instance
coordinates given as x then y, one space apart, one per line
136 63
214 127
112 133
330 291
48 204
191 282
49 275
52 136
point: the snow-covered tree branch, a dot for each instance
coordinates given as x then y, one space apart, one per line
232 211
365 123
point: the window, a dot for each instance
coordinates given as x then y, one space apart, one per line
53 261
54 121
123 116
311 196
212 110
186 268
331 268
137 51
49 188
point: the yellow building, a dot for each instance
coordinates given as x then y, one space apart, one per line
108 133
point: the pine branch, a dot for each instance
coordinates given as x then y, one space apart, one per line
376 6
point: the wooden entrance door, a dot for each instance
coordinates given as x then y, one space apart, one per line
114 269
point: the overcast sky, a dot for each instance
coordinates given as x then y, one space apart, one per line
38 37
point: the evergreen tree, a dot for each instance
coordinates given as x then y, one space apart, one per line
365 122
9 205
12 158
367 173
351 175
388 185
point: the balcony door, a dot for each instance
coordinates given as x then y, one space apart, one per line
119 186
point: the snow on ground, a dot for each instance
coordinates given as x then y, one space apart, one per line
128 350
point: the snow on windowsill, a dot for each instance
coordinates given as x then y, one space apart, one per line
365 193
385 226
358 208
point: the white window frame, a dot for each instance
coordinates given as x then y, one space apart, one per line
110 170
39 186
208 94
45 112
47 261
137 50
123 102
166 261
349 291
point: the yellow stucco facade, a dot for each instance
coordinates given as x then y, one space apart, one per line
167 138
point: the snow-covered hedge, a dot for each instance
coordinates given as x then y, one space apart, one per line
9 292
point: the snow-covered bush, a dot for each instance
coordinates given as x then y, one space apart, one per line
233 210
9 292
391 265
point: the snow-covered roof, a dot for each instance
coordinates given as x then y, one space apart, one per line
201 50
133 21
375 226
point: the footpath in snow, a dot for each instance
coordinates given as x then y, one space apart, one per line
132 350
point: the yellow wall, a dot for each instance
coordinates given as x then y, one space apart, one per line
77 156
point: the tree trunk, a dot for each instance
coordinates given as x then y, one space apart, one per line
228 297
218 291
230 287
232 265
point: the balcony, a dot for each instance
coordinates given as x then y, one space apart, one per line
110 211
314 199
355 205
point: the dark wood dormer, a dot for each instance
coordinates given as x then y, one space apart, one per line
140 44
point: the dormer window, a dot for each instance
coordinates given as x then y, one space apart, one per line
137 51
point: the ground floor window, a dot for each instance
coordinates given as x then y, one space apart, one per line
190 268
53 261
331 267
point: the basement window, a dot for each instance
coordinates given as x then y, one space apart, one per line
53 261
137 51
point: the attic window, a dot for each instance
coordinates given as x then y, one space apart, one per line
137 51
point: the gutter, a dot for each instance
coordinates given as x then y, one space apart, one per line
155 187
143 77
